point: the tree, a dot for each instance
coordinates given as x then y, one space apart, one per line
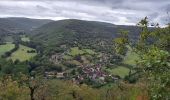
153 49
121 42
34 86
11 90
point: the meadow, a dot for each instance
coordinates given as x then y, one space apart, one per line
131 57
22 54
120 70
123 69
25 38
6 47
76 51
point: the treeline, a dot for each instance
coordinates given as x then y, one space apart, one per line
34 45
2 43
31 51
8 53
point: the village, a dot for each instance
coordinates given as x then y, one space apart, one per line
92 72
95 73
87 71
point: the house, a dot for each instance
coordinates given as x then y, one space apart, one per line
50 74
60 75
54 74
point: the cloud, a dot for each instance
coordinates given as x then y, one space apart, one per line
126 12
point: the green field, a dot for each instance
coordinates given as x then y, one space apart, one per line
21 54
130 58
25 38
89 51
121 71
6 47
76 51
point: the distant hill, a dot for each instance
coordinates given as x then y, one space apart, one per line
80 29
17 24
72 31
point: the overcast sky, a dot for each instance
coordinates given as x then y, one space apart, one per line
126 12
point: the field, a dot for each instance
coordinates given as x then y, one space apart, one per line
121 71
25 38
130 58
76 51
89 51
6 47
21 54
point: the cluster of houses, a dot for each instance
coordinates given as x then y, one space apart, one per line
56 58
92 72
95 73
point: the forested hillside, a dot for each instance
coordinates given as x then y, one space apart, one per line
79 32
16 25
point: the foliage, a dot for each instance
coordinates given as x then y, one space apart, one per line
153 50
11 90
121 42
156 66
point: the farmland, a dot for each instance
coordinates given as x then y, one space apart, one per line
120 70
123 69
25 38
6 47
76 51
22 54
130 58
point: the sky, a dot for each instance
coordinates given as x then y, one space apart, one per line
121 12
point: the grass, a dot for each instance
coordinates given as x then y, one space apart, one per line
89 51
25 38
21 54
76 51
6 47
121 71
131 57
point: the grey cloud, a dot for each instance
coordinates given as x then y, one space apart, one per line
153 15
113 11
167 7
41 8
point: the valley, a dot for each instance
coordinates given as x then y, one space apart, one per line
76 57
73 48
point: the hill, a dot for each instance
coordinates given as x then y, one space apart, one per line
17 24
72 32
